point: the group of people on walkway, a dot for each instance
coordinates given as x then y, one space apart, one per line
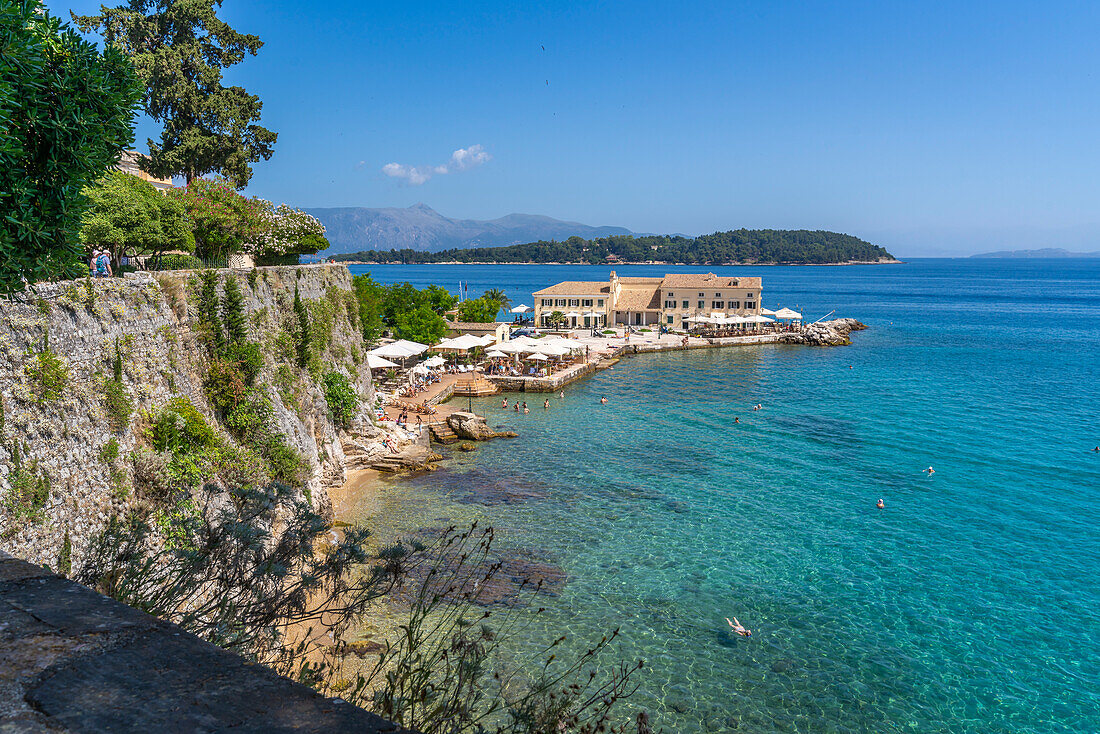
99 264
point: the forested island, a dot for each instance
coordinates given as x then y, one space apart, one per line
736 247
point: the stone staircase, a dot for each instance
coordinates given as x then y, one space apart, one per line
475 385
442 433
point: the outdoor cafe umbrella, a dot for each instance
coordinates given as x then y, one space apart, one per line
787 314
419 369
553 350
495 354
394 350
573 315
537 357
435 361
375 362
757 319
767 312
522 308
411 347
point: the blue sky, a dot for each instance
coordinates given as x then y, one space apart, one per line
929 128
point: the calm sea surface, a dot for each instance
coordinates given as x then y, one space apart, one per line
970 604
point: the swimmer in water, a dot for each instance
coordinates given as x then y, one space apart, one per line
517 406
504 403
603 401
736 419
880 504
739 628
546 403
561 395
1097 449
929 471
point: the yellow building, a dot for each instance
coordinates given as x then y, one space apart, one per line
669 301
129 164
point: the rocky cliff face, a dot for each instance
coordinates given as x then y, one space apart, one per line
71 435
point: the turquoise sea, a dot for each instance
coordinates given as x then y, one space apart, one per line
971 603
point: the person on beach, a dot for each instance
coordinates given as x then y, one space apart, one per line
929 471
739 628
603 401
880 504
546 403
419 425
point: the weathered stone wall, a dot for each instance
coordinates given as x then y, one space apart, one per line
153 322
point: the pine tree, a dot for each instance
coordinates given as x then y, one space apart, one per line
236 325
302 341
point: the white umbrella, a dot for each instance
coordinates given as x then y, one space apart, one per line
573 315
767 312
733 319
411 347
487 340
495 354
419 369
757 319
553 350
377 363
522 308
394 350
513 347
787 314
435 361
537 357
460 343
699 319
525 341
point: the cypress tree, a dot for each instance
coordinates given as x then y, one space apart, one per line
236 326
302 342
208 312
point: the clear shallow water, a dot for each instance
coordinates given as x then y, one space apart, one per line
970 604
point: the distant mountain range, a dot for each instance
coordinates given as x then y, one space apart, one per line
419 227
1043 252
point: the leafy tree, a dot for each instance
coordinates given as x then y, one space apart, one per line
439 299
224 222
179 49
236 323
129 216
421 325
65 115
341 397
496 294
369 295
556 318
478 310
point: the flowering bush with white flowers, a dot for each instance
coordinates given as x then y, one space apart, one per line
290 231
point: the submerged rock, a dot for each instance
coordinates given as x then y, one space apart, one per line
472 427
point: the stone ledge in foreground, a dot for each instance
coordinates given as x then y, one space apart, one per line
72 660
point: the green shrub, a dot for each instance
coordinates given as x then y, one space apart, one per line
29 488
284 461
65 556
301 343
224 385
179 427
48 375
341 397
250 418
249 358
117 404
180 262
253 276
109 452
210 324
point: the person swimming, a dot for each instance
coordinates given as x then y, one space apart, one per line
739 628
603 401
561 395
929 471
517 406
880 504
736 419
504 403
546 403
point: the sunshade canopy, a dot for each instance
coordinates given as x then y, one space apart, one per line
495 354
522 308
538 357
786 313
435 361
375 362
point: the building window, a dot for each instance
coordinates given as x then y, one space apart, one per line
559 302
717 295
719 304
750 305
670 304
548 302
702 294
599 302
686 305
669 319
748 295
735 304
702 304
574 301
586 302
671 294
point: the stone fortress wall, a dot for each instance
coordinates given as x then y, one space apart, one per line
152 321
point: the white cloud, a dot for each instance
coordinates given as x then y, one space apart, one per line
462 159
